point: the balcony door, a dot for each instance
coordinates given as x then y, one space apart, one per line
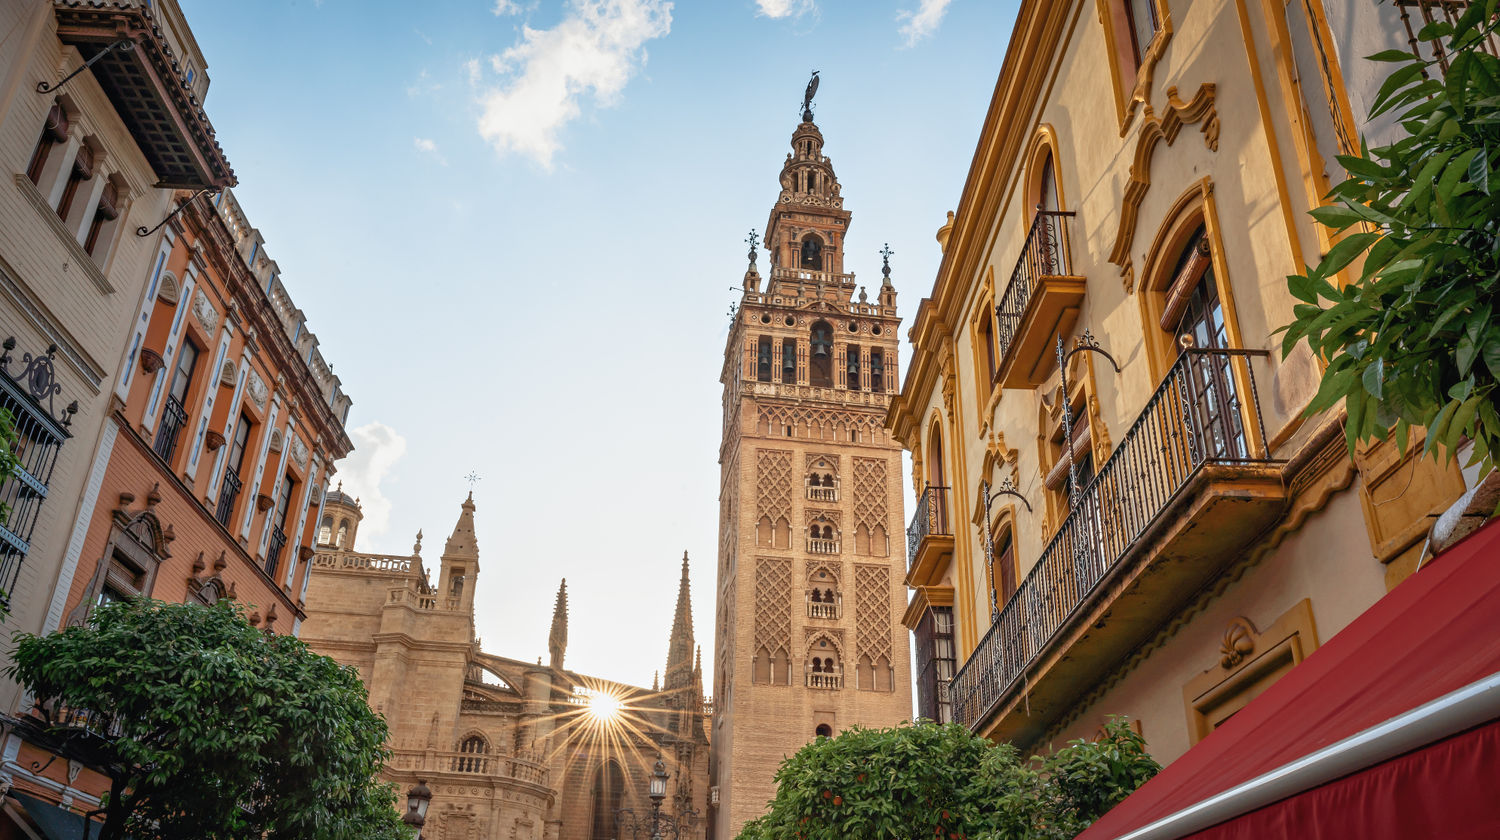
1214 414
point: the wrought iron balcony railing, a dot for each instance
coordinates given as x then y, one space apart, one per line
1199 415
229 490
930 519
273 551
173 418
1046 253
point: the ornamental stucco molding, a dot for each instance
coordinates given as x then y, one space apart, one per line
204 311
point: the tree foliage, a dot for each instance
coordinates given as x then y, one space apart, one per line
1414 341
224 731
925 780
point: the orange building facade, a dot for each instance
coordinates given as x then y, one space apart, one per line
226 423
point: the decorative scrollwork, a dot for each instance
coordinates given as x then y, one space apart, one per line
38 375
123 45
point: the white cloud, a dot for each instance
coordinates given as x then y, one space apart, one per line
923 22
595 49
423 85
423 144
785 8
377 448
506 7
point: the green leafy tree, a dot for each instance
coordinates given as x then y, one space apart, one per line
1414 340
219 730
925 780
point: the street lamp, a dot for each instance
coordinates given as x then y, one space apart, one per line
656 790
417 800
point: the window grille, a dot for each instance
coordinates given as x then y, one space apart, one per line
39 436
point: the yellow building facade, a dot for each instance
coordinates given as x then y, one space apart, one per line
1121 509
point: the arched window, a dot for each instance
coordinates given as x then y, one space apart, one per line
1047 185
472 755
821 370
789 360
608 796
325 530
1002 565
1195 294
812 252
853 371
823 731
1143 26
877 371
343 534
763 359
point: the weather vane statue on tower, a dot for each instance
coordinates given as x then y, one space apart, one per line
812 88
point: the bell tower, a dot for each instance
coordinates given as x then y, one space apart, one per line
810 576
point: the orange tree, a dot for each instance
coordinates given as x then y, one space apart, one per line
925 780
1414 340
208 727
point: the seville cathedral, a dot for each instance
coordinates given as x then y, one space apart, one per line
810 495
511 749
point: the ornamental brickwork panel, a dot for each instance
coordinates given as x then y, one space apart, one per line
773 484
869 493
773 604
872 611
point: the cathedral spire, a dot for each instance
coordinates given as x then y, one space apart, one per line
557 640
460 561
680 648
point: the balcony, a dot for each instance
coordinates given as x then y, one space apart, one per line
273 551
822 494
173 418
1188 488
145 82
818 546
442 763
826 609
825 681
929 538
229 490
1040 303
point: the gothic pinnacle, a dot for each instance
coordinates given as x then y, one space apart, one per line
557 640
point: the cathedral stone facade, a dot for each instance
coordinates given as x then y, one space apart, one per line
810 584
512 750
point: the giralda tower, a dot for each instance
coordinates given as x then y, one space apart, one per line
808 639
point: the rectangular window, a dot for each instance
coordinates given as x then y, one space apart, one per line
174 415
278 533
229 490
937 661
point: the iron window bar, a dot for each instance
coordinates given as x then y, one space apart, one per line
173 418
39 435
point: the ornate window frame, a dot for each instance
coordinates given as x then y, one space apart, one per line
1131 80
1250 661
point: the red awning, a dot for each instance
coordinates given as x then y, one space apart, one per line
1390 730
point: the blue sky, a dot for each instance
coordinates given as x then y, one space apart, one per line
514 227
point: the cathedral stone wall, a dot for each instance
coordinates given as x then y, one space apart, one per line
512 750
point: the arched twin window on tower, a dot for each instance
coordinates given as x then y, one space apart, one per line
812 253
820 369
